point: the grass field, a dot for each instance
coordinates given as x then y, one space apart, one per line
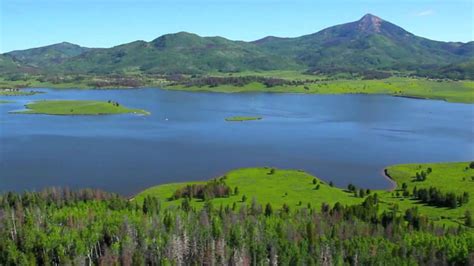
73 82
242 118
295 188
277 188
282 74
451 91
448 177
74 107
448 90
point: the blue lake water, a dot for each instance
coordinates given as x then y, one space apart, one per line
339 138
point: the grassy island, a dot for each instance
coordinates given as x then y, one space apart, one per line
242 118
3 101
78 107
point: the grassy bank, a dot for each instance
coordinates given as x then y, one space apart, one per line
276 186
297 188
451 91
295 82
82 82
75 107
242 118
448 177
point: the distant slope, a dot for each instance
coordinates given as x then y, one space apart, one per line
7 64
460 70
47 55
11 66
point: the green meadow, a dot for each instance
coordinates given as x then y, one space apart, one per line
282 74
447 90
77 107
297 188
265 185
448 177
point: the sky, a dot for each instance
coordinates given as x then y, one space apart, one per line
106 23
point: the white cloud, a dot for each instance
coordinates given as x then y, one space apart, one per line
427 12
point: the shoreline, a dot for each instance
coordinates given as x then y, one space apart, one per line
389 178
206 90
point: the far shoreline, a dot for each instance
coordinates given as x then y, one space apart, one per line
208 90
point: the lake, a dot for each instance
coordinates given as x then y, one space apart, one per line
340 138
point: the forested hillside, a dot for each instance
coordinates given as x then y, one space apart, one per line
64 227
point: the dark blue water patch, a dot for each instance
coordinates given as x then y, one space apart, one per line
339 138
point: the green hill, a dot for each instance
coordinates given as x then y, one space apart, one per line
177 53
266 185
296 188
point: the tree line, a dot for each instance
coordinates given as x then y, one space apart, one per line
237 81
434 196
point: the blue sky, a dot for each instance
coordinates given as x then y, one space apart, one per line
105 23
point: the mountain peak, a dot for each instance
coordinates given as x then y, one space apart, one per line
63 44
370 23
369 16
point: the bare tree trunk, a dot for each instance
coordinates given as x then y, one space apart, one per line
89 258
14 233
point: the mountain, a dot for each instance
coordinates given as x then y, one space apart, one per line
47 55
177 53
368 44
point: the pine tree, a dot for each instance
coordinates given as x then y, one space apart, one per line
468 219
268 209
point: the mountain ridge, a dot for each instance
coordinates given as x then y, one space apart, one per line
369 43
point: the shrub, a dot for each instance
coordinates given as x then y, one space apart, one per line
212 189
